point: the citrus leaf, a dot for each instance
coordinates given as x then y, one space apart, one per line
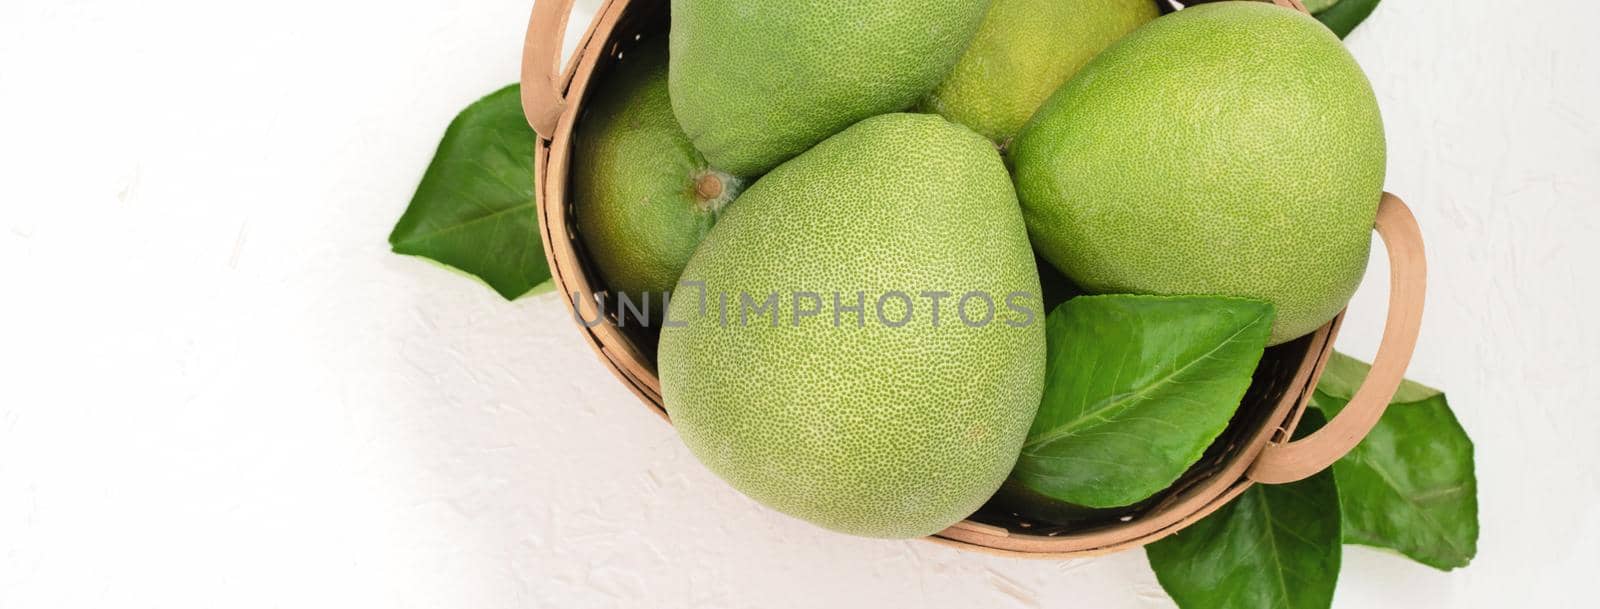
1272 547
1345 15
1410 485
1136 387
1343 375
475 207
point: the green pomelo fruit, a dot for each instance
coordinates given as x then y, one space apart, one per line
1229 149
644 197
1023 52
893 420
756 82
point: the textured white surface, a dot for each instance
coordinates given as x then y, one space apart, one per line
218 388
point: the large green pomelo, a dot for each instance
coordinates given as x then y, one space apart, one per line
884 425
756 82
1023 52
644 197
1230 149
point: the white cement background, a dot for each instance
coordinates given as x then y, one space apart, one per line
218 388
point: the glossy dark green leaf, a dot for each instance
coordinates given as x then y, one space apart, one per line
1136 387
1273 547
1410 485
474 209
1343 375
1017 500
1343 16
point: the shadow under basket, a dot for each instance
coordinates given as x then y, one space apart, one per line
1253 449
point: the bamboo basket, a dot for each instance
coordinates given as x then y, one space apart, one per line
1254 448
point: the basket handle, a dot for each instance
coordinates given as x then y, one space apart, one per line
1408 274
542 100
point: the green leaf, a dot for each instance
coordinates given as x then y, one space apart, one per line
1344 374
1136 387
1272 547
475 207
1410 485
1345 15
1317 6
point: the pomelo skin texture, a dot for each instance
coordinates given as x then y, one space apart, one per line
643 196
1023 52
863 427
1229 149
756 82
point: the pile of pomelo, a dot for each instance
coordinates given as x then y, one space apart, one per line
852 203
